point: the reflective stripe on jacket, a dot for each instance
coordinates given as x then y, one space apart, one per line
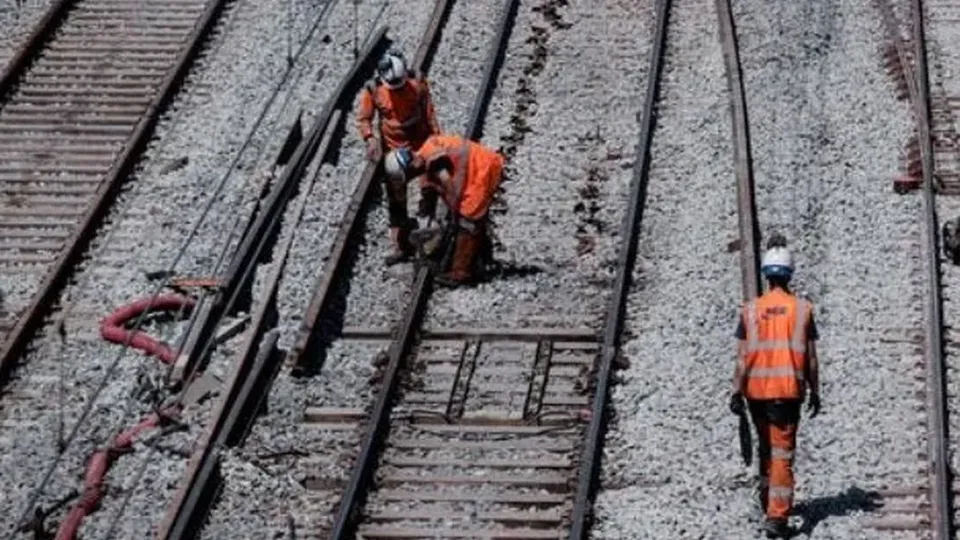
406 115
477 172
776 345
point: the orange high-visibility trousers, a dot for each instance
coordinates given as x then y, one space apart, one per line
776 442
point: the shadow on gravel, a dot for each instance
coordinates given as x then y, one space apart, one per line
503 271
852 500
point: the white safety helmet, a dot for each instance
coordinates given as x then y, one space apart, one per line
777 262
396 163
392 70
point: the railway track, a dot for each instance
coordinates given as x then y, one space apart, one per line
78 106
926 506
937 113
458 386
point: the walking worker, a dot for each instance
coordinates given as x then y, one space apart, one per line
401 100
777 362
466 174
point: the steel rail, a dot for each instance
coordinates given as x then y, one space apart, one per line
253 245
234 412
362 474
750 286
42 32
587 478
308 337
941 480
28 323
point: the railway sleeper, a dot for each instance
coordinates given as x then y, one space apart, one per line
549 518
374 532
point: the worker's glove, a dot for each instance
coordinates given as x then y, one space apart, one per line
737 406
373 149
813 405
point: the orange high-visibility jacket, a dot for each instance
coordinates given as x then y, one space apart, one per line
776 345
477 172
407 116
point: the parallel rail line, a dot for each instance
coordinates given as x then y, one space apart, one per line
79 104
934 127
941 492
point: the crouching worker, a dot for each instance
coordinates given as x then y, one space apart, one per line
466 175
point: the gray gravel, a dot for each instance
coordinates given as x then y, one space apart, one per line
147 226
944 62
826 134
564 112
16 24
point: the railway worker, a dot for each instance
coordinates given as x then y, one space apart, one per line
401 100
466 174
777 363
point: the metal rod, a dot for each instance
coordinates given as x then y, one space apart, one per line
630 230
941 497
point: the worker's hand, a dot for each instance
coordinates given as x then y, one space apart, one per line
736 404
373 149
424 222
813 405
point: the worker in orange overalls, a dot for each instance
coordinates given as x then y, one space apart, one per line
402 101
777 363
466 175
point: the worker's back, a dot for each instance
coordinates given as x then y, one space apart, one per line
776 341
480 167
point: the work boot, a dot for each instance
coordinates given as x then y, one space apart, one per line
402 250
463 257
776 528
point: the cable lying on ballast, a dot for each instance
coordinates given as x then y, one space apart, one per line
113 330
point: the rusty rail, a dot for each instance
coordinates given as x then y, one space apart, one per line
910 69
362 474
248 384
267 221
941 481
613 326
41 34
743 159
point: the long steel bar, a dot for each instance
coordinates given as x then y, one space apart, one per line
629 233
743 159
236 396
410 323
941 480
268 219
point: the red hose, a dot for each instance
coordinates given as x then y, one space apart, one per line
112 329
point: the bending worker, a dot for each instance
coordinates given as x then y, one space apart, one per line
402 101
466 174
777 362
